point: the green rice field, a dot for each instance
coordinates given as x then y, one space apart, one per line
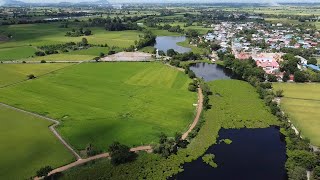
302 103
13 73
27 145
100 103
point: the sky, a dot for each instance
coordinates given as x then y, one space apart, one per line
157 1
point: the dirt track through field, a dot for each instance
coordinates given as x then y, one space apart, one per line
81 161
52 128
196 119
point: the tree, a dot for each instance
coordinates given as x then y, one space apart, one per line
312 61
39 53
101 54
84 41
304 159
87 32
44 171
316 173
171 52
120 153
90 150
272 78
43 61
300 76
286 77
297 173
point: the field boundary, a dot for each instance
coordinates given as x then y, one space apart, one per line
314 148
81 161
51 127
19 82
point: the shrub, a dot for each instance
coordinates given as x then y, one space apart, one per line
43 61
279 93
39 53
208 159
44 171
31 76
192 88
120 153
300 76
316 173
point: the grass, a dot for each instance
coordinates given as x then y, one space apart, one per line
26 37
16 53
13 73
302 103
237 97
100 103
148 49
61 57
27 145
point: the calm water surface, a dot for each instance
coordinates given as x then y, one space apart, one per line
210 72
254 154
170 42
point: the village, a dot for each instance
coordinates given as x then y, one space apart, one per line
265 43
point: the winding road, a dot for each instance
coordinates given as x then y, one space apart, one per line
81 161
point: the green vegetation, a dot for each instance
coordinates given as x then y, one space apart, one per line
13 53
13 73
209 159
27 37
301 102
99 103
227 141
252 114
27 145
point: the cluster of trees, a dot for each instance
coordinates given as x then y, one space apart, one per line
168 146
79 32
55 49
306 53
289 66
120 153
148 39
178 57
206 91
243 68
114 24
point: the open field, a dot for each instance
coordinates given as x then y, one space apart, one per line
13 73
61 57
229 110
16 52
100 103
302 103
26 37
27 144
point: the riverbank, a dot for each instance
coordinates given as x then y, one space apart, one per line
225 112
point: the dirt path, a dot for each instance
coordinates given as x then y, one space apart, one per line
52 128
196 119
81 161
99 156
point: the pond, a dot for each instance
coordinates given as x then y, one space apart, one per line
210 72
253 154
164 43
